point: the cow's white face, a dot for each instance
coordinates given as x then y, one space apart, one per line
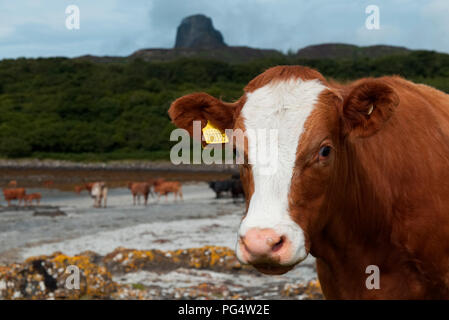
282 106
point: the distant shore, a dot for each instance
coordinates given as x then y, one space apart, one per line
114 165
64 175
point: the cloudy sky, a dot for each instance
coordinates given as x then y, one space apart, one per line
34 28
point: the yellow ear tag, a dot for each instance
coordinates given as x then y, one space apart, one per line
213 135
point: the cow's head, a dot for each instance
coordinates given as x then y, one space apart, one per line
313 119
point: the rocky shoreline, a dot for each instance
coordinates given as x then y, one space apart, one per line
64 175
117 274
131 165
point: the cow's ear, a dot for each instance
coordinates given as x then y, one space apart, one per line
202 107
367 107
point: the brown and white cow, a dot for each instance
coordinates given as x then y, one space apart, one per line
99 192
362 179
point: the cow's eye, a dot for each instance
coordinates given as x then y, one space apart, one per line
325 151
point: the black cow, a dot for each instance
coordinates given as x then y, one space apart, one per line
234 186
221 186
237 188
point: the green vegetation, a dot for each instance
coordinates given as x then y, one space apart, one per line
138 286
79 110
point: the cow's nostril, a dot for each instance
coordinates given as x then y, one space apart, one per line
259 244
278 245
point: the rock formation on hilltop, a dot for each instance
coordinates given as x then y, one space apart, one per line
197 31
197 38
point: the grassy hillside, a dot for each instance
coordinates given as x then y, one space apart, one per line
79 110
349 51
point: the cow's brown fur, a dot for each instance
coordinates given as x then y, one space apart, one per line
12 184
14 194
48 183
86 186
162 187
33 196
380 198
139 189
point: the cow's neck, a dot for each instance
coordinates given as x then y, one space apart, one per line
360 209
360 226
356 233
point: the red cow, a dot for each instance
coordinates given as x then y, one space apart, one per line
14 194
162 187
360 180
32 196
48 183
12 183
139 189
86 186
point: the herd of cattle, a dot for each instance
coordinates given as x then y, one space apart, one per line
14 193
161 187
99 190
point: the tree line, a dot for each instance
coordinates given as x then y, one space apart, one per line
75 109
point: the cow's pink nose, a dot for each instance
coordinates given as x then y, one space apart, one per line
263 245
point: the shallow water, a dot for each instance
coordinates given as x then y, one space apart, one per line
20 230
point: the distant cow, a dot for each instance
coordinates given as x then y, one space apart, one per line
233 186
99 192
162 187
14 194
32 196
12 183
86 186
139 189
237 189
221 186
154 182
48 183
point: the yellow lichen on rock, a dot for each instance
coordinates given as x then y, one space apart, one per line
46 277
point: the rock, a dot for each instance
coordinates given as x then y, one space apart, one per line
48 276
197 31
209 257
45 277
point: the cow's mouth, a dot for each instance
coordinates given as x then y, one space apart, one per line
272 269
